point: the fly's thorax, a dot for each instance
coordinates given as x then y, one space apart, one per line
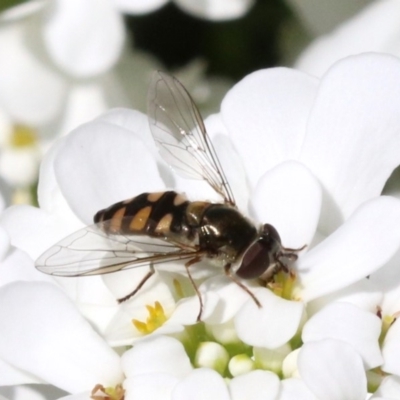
226 232
195 211
160 214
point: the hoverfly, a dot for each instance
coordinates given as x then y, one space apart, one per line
154 228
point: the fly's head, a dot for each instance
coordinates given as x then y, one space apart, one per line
262 254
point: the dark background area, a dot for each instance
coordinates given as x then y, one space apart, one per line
230 48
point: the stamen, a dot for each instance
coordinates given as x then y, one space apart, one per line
155 319
99 392
23 136
282 284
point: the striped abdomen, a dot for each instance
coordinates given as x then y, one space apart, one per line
152 214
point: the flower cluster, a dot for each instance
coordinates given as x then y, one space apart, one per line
309 156
63 64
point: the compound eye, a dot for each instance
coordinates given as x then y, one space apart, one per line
255 261
270 233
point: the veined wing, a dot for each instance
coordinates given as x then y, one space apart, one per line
94 251
179 132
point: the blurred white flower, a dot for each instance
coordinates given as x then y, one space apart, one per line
322 16
310 157
214 10
63 64
51 53
387 280
374 29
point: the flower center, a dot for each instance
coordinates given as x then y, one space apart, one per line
387 322
155 319
23 136
99 392
282 284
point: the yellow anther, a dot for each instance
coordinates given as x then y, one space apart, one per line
283 284
99 392
155 319
23 136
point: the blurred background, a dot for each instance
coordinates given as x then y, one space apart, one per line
64 62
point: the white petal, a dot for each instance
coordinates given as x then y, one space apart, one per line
255 385
270 326
348 323
216 9
160 354
363 294
6 195
85 101
295 389
362 245
266 115
332 370
289 198
138 6
18 266
391 349
30 101
4 243
201 384
32 392
6 127
355 109
10 375
130 168
230 295
60 346
19 167
84 39
322 17
50 198
374 29
154 386
121 330
80 396
187 309
387 279
32 229
389 388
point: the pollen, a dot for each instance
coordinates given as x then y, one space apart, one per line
155 319
23 136
99 392
282 284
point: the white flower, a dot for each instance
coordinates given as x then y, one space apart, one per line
57 32
373 29
332 370
214 10
321 17
63 65
311 157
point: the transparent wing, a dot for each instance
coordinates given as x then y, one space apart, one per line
179 132
92 251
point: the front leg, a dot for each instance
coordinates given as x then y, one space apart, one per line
228 273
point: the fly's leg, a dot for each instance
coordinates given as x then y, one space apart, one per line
291 254
228 273
138 287
279 265
187 265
